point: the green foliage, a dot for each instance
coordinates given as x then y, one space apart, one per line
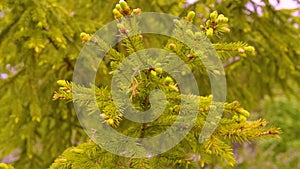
40 41
5 166
282 153
189 153
285 113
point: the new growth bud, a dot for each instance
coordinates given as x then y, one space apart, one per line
85 37
168 79
117 13
172 46
250 49
153 73
62 83
123 4
213 15
225 19
124 7
118 7
159 70
110 121
137 11
190 16
238 118
222 18
210 32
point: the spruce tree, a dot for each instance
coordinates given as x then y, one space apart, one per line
191 152
39 44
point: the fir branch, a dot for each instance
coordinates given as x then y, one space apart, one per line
233 125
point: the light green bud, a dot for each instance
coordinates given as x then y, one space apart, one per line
123 4
210 32
250 49
153 73
168 79
213 15
191 15
118 7
62 83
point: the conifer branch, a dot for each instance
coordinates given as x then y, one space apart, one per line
233 125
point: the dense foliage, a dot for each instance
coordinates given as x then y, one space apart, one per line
40 41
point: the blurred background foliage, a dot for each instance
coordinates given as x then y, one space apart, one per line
39 44
273 154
